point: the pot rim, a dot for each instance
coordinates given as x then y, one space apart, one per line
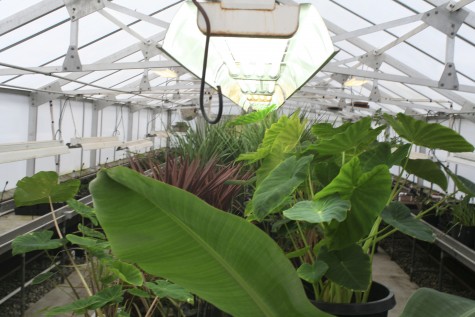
373 307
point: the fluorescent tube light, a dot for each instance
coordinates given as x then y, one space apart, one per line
135 145
419 156
158 134
465 158
95 143
12 152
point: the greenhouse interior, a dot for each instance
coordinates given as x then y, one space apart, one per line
265 158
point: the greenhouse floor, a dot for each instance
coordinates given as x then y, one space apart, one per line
385 271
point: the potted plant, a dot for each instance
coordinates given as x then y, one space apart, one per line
335 197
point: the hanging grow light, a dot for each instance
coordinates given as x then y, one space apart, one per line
95 143
135 145
12 152
260 52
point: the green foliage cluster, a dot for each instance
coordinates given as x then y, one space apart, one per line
330 198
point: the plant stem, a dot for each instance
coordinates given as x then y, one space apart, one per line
304 240
152 307
70 257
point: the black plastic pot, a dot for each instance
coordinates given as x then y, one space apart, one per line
380 301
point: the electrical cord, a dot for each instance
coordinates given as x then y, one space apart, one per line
203 76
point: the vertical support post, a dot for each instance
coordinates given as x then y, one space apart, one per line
441 269
94 129
169 126
82 135
130 125
32 132
23 281
450 50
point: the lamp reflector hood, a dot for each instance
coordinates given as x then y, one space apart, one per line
254 70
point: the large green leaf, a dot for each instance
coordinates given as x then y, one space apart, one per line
96 247
358 134
349 267
401 218
428 170
126 272
252 117
279 140
463 184
39 240
429 302
100 299
218 256
368 193
323 210
327 130
83 210
382 153
163 288
312 273
91 233
42 187
275 189
430 135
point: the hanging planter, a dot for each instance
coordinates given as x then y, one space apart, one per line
380 301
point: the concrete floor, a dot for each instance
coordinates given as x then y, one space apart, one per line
390 274
385 271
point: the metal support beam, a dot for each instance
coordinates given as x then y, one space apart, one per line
50 92
447 22
375 28
80 8
72 62
89 68
135 14
124 27
456 5
401 39
28 15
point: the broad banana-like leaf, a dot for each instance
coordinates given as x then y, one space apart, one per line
42 187
429 302
368 193
275 189
430 135
323 210
252 117
349 267
401 218
428 170
32 241
220 257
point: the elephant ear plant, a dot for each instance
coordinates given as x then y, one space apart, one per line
112 287
334 197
